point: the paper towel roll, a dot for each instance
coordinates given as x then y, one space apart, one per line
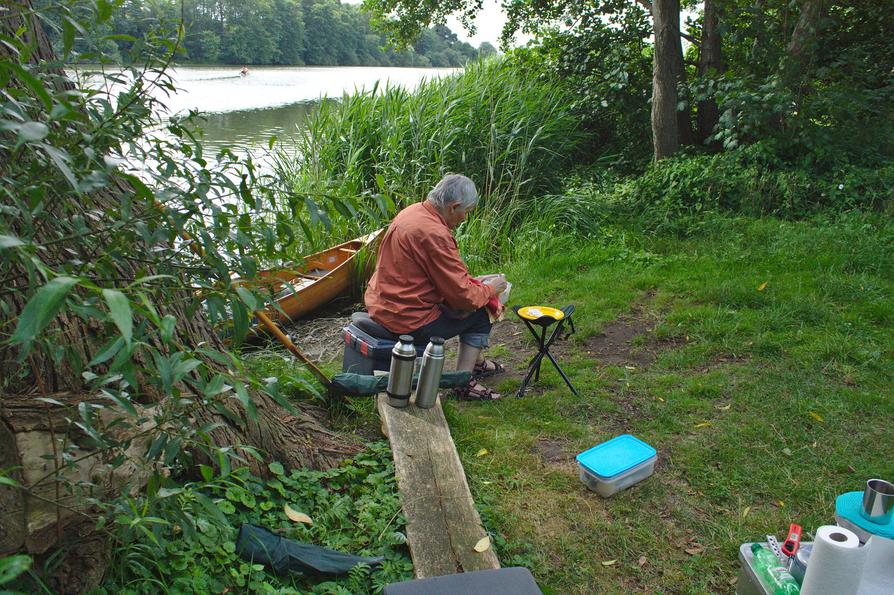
878 571
836 563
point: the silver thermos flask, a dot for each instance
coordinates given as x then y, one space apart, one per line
430 373
400 378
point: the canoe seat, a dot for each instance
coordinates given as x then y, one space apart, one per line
369 326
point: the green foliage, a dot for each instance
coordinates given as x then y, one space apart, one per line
680 193
183 538
816 90
607 64
359 158
115 255
282 32
13 566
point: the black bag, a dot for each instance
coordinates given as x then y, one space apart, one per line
257 544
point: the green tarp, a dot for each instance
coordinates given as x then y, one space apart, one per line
359 385
281 555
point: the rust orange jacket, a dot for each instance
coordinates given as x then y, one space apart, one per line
419 268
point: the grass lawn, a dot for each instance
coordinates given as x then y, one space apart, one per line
759 366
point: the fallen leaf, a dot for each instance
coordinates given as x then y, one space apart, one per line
746 511
724 407
481 452
787 452
609 562
781 503
693 551
851 469
487 483
817 417
482 545
762 286
641 561
660 399
703 424
298 517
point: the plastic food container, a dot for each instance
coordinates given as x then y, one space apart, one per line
616 464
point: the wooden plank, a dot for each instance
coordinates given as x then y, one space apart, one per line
442 523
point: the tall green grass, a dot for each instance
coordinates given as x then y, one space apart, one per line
363 157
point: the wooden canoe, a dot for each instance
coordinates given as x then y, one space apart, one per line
322 277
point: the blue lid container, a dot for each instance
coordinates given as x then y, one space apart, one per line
616 456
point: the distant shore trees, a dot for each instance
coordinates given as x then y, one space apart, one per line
274 32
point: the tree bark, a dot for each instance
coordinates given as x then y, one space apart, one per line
665 65
32 431
800 48
709 64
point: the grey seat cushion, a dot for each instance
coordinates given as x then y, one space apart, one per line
369 326
502 581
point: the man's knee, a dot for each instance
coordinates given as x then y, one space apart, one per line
476 340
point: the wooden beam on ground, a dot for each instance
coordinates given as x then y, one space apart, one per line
442 523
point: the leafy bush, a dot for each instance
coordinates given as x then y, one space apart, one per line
117 249
183 538
606 63
675 194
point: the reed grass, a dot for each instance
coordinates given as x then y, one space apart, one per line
362 158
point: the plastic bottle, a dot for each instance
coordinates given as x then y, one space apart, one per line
771 571
400 379
430 373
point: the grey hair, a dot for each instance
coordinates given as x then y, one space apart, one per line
452 189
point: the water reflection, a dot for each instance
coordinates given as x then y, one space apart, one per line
245 112
250 129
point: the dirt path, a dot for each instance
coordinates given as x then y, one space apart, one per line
626 341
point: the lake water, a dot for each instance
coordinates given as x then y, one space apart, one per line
244 112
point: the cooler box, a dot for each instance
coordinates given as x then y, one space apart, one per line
616 464
364 354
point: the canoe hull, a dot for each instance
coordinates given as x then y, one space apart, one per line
321 278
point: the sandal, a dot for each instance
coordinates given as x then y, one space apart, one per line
487 368
476 392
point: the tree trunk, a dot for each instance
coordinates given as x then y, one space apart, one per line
801 47
665 66
685 132
32 431
709 64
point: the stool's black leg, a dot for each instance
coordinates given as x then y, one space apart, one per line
534 365
562 372
541 349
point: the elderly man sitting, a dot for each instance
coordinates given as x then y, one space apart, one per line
421 286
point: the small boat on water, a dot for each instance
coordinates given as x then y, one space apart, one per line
322 277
